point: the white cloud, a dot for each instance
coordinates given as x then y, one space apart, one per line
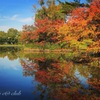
25 20
4 28
14 21
14 64
18 19
14 17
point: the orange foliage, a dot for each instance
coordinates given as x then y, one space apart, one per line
95 84
83 24
47 29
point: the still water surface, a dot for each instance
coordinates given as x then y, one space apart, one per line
47 77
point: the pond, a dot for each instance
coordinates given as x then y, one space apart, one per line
47 76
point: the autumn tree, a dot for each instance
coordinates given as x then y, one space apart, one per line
47 30
27 34
67 23
82 29
52 12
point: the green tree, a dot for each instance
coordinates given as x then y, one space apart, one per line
50 2
89 1
12 35
41 2
2 37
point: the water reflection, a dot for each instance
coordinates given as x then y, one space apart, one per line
9 64
49 76
61 79
11 52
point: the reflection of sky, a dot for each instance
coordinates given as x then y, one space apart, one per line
5 63
12 79
82 79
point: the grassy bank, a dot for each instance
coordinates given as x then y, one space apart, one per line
11 45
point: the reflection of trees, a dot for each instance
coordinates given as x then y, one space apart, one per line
48 69
95 71
57 78
10 52
83 70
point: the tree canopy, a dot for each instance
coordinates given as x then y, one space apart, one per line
9 37
70 24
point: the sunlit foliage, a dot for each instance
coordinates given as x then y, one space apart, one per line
80 31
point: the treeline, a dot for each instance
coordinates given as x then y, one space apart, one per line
9 37
67 24
58 25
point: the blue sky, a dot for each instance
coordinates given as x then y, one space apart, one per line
16 13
